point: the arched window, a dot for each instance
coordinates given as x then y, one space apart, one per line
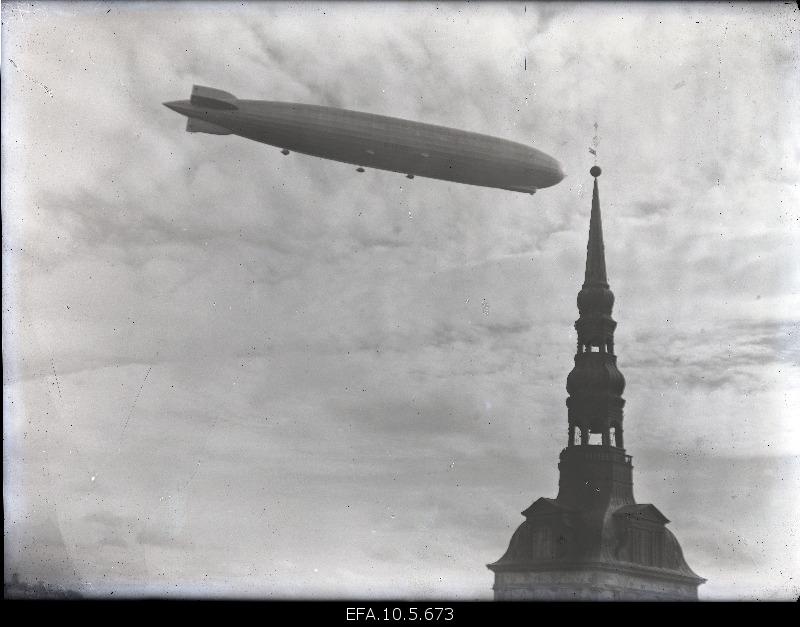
617 430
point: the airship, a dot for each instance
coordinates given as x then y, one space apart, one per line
368 140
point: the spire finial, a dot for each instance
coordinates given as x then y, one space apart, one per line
595 142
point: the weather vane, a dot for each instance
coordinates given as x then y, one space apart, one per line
595 141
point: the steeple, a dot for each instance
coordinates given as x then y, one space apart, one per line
595 385
595 252
594 541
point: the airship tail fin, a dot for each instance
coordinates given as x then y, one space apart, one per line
212 98
193 125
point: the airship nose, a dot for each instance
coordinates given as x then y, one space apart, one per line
559 173
555 173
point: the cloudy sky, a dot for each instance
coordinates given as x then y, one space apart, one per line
226 371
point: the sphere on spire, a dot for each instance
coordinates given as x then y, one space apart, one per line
595 171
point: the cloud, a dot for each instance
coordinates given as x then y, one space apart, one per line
293 342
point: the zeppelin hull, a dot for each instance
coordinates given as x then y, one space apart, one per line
385 143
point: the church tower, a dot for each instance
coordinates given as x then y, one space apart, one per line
593 541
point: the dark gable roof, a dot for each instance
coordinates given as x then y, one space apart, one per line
545 506
643 511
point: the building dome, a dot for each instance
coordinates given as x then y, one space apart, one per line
595 379
595 299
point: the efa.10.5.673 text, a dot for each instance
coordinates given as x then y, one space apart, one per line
400 614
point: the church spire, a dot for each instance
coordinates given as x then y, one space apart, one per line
595 385
595 252
594 541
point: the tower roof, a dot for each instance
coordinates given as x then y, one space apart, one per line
595 251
